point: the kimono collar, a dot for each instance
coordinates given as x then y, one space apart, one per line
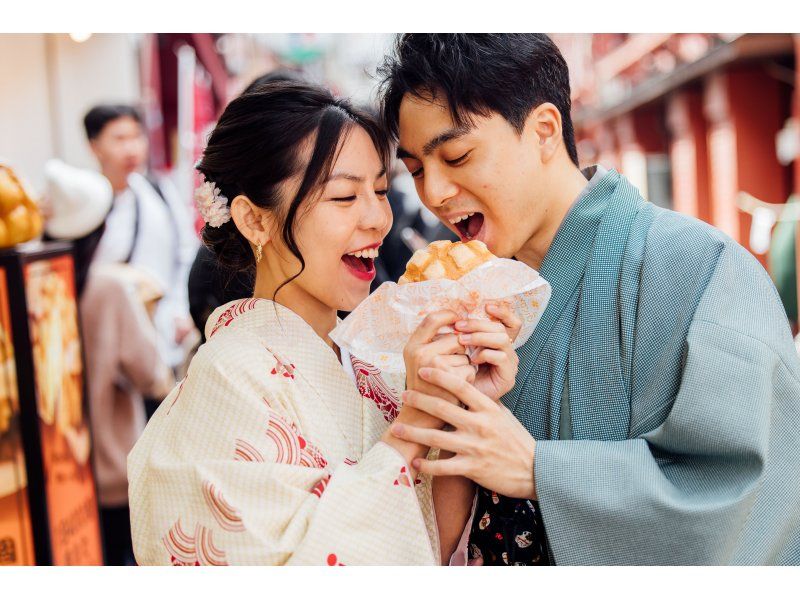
294 343
566 259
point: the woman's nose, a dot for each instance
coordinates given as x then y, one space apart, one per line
377 214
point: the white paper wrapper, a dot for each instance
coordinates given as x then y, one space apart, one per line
379 328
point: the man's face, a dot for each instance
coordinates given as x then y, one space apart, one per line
121 147
480 181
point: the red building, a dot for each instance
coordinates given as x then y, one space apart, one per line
692 119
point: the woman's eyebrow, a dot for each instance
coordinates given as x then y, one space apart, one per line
353 177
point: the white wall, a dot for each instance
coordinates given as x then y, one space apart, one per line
49 82
25 131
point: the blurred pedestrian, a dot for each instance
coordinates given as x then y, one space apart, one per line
122 362
148 225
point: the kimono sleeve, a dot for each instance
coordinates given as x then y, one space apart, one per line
224 475
692 489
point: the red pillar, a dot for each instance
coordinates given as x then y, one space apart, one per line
688 153
745 108
796 114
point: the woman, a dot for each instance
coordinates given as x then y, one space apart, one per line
274 449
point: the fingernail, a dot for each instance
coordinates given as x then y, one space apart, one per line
464 338
462 324
415 463
424 373
397 429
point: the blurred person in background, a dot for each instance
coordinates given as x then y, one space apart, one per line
210 283
148 226
123 364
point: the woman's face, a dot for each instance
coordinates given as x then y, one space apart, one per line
340 229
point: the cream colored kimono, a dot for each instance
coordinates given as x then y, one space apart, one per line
268 453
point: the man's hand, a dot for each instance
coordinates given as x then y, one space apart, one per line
495 356
491 447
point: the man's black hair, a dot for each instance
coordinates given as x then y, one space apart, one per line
477 74
98 117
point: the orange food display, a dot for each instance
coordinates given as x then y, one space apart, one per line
20 218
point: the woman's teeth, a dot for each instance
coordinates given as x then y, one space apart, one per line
365 253
460 218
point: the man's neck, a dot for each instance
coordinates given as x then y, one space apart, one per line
119 181
556 207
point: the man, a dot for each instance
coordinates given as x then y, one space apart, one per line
148 225
658 401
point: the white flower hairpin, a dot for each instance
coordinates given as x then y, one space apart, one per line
212 205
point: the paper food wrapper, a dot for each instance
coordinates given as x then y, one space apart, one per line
379 328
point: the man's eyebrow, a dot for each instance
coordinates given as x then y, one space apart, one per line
440 139
448 135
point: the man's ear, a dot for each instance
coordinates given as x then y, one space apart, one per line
544 124
253 222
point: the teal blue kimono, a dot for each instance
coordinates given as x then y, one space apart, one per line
663 387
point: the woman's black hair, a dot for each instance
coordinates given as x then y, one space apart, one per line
258 145
476 74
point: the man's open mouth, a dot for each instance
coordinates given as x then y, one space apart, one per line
469 225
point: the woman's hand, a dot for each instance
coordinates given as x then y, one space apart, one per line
427 348
495 357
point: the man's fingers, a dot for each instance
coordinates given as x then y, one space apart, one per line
437 407
429 327
466 393
426 437
440 467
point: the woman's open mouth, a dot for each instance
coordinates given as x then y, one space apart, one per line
469 226
361 264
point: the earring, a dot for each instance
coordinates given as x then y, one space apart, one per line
258 253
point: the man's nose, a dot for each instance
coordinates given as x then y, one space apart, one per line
437 188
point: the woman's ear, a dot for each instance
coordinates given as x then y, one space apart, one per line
544 124
253 222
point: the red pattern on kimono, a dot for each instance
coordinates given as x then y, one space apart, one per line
245 451
372 386
283 368
199 549
292 448
333 561
230 314
228 516
320 486
403 479
177 395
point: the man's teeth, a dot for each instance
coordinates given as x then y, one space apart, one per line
460 218
367 253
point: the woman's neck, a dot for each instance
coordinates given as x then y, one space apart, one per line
321 318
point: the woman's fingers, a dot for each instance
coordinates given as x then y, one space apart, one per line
507 316
430 326
492 357
491 340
